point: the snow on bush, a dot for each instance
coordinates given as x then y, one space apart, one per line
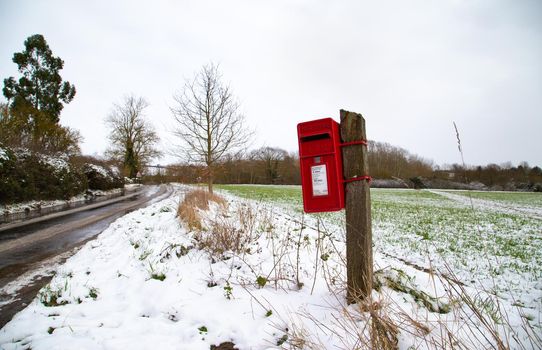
59 163
21 153
27 176
3 155
97 169
101 178
115 170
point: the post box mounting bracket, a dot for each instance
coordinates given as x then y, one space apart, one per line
353 143
356 178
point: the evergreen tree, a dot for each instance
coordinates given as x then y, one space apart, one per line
30 119
40 90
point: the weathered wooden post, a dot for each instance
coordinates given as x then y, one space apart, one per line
359 251
333 159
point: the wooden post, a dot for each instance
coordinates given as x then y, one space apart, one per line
359 251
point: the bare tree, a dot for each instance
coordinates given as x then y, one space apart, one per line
133 140
208 121
270 157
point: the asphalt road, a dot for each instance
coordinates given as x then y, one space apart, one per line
30 252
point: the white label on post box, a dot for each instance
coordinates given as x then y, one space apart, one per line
319 180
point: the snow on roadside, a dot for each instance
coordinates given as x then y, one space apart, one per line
9 209
45 269
148 282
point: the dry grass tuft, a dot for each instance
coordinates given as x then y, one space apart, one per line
190 216
197 199
218 232
383 332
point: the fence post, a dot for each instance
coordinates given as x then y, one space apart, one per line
359 251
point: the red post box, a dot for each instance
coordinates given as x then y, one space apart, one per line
321 165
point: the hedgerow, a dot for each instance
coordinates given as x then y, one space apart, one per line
26 175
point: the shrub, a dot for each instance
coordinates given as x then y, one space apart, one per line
10 186
31 176
101 177
417 182
223 236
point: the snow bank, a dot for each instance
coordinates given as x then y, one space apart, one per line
111 294
148 282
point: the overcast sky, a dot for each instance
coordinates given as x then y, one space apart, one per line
411 68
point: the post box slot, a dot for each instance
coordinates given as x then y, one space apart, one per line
316 143
316 137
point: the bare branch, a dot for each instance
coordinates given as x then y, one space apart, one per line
208 122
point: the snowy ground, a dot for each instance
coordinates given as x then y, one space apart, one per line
149 282
529 209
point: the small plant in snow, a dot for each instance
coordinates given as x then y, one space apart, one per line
158 276
282 340
228 289
155 275
93 293
50 297
179 250
146 253
489 307
261 281
182 250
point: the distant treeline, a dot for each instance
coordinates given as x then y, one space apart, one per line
495 177
393 166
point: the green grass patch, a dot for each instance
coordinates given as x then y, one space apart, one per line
415 224
420 223
457 233
266 193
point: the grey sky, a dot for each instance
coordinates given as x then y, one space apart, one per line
410 67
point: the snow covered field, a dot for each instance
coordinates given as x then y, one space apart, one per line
445 276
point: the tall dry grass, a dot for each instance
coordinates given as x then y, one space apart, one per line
197 199
222 231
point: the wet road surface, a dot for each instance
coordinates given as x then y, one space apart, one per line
30 254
